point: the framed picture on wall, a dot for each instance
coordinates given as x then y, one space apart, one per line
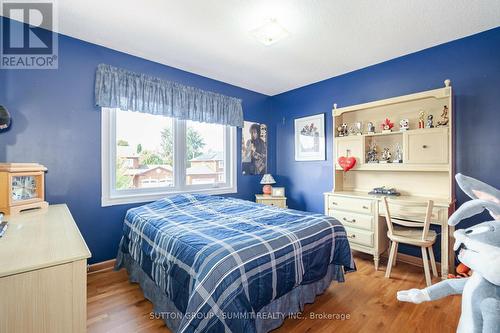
310 138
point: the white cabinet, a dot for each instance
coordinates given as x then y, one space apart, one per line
428 146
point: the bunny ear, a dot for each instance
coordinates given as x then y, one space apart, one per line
470 185
471 208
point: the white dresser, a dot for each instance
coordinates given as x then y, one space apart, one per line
360 218
43 273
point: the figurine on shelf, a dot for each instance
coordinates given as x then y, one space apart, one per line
352 130
386 156
358 128
371 155
444 118
404 125
421 116
342 130
429 121
398 158
370 128
387 126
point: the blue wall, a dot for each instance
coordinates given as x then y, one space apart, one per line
56 124
472 64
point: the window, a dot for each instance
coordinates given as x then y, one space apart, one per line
145 157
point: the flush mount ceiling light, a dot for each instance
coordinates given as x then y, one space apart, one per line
270 33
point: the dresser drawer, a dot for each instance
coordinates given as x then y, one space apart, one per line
408 212
273 202
350 204
353 220
428 146
358 236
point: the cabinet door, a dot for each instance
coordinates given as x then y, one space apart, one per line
427 146
350 145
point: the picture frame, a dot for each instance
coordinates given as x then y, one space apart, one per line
310 141
278 192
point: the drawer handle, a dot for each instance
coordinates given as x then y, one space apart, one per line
350 221
334 203
365 207
424 146
351 236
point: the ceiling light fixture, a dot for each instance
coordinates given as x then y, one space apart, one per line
270 33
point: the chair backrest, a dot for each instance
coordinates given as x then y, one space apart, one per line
408 222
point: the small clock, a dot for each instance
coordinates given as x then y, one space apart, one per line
21 187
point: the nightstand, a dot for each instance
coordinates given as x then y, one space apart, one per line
270 200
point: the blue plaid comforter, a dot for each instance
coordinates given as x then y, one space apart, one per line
220 260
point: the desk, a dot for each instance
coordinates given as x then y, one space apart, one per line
43 273
363 216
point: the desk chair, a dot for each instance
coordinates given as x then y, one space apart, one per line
412 233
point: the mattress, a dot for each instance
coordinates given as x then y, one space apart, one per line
219 261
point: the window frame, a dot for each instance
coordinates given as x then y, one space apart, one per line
110 196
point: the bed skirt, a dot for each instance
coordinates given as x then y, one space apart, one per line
268 318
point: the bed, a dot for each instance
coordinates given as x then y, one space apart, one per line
214 264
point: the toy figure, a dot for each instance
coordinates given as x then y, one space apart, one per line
342 130
444 118
480 250
384 191
370 128
404 125
429 121
399 154
387 126
421 116
371 155
386 156
357 128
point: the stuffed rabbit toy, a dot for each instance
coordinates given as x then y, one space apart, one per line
480 250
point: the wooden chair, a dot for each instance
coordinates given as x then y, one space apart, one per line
411 232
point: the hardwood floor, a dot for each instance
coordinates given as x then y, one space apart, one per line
115 305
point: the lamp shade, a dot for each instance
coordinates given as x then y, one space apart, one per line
267 179
4 118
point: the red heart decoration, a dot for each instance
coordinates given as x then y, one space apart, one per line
347 163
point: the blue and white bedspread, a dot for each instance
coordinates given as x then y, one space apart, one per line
220 260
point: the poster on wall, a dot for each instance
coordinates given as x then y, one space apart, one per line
254 149
310 138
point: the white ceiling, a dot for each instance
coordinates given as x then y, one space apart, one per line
327 37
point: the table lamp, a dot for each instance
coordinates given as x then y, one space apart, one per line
267 181
4 118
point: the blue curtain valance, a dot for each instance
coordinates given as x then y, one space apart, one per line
119 88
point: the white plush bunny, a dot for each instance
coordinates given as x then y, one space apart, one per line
480 250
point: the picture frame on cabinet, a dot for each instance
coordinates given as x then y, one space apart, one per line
278 192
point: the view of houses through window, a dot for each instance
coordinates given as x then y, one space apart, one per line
205 153
145 153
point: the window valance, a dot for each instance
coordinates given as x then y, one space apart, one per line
120 88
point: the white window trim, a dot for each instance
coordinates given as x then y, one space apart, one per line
108 155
